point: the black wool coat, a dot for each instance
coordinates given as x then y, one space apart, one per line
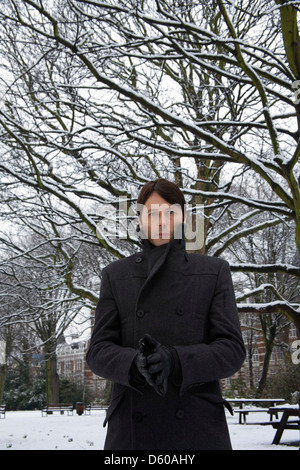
186 302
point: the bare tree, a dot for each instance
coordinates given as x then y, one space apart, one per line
36 296
98 97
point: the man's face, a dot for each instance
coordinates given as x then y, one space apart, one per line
159 219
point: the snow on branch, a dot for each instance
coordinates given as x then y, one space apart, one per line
266 268
290 311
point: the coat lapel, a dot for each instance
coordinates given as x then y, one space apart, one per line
158 263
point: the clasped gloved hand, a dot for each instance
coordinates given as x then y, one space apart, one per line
155 362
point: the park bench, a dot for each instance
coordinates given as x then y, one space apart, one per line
2 411
61 407
245 411
95 406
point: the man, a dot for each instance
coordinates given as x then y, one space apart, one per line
166 331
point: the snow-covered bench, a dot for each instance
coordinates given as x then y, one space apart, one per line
2 410
245 411
94 406
61 407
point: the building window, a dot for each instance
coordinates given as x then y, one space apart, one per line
277 355
293 333
255 357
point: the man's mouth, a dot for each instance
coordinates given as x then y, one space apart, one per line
164 235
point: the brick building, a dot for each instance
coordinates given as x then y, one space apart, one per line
251 371
71 364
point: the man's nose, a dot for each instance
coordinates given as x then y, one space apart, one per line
163 219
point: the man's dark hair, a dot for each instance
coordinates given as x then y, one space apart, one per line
169 191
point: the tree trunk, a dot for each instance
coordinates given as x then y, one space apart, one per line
291 39
265 370
290 34
52 379
3 369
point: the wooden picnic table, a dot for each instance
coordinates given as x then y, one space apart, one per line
242 401
284 423
243 412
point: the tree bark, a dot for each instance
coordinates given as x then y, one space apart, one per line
52 379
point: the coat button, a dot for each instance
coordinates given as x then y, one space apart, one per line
179 414
179 311
139 260
140 313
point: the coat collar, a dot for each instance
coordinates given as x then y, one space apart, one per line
160 253
155 257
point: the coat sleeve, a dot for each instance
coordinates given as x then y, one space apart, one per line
224 353
105 356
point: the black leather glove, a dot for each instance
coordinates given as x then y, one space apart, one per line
140 362
159 363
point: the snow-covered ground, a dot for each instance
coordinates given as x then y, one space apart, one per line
28 430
